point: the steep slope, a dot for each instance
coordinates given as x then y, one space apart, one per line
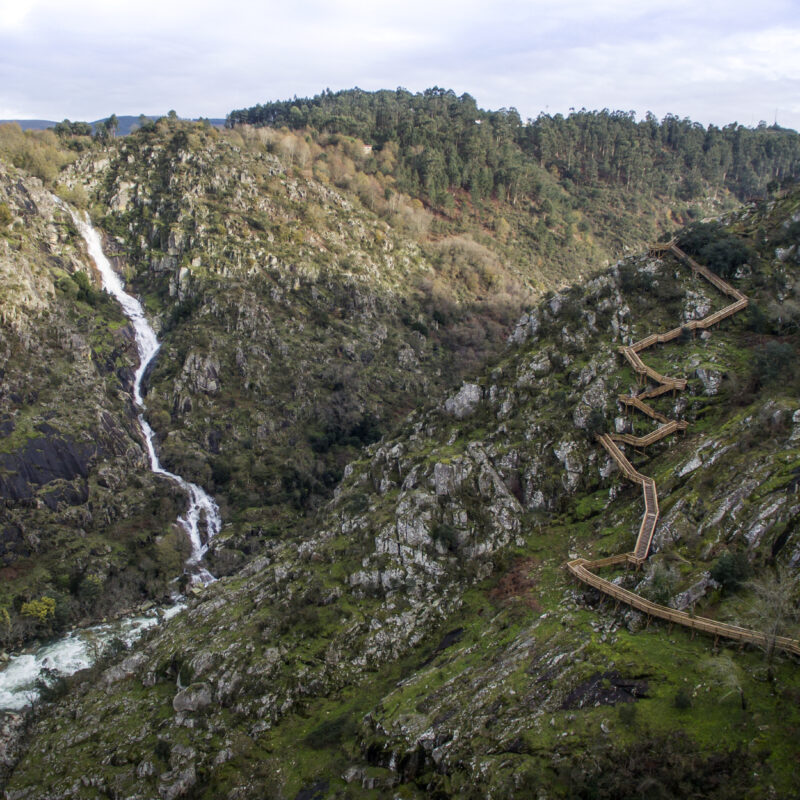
426 639
297 325
561 193
84 528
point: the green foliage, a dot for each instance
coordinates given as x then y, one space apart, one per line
50 685
446 535
445 143
5 215
776 362
725 256
595 423
75 195
162 750
661 584
659 766
720 250
40 153
730 569
364 431
67 128
40 610
634 280
86 292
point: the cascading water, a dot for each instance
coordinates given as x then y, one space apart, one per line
201 504
79 649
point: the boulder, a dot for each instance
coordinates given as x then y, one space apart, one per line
193 698
465 402
711 380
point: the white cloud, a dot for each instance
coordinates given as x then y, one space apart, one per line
714 60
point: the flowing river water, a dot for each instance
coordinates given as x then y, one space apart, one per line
81 647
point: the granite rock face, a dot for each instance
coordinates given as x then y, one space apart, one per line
465 402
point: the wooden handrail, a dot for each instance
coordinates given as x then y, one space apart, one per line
630 400
642 369
581 568
653 436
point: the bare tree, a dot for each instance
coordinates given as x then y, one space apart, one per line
726 675
774 606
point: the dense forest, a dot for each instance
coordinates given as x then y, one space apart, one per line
435 142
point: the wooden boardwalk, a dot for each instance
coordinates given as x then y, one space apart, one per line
583 569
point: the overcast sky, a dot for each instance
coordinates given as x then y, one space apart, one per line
711 60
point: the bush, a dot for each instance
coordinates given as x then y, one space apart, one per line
38 152
633 281
660 766
595 422
776 362
162 749
757 320
730 570
86 292
50 685
661 585
446 535
713 245
725 256
40 610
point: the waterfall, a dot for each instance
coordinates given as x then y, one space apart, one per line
79 648
202 507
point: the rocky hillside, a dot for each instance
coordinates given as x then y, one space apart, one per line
85 529
297 327
423 637
297 324
306 303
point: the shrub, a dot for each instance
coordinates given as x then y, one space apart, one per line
595 422
730 570
163 749
446 534
776 363
40 610
725 256
662 582
712 244
50 685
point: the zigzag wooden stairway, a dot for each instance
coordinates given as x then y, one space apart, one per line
583 569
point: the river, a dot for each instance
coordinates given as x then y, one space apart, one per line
80 648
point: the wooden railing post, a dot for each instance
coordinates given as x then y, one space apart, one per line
581 568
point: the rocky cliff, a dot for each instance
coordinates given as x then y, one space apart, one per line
82 520
418 634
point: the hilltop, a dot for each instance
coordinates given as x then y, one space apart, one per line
126 123
394 397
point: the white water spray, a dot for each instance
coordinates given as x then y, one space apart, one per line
202 507
80 648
